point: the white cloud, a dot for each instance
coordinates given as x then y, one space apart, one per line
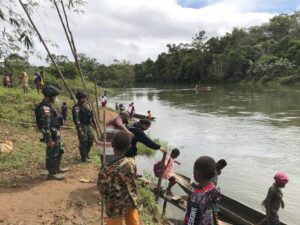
138 29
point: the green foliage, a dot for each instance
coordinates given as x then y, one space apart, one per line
260 53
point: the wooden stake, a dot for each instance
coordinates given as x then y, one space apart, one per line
162 169
103 162
96 98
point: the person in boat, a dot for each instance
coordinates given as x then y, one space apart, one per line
273 201
117 184
149 115
121 107
203 204
221 164
138 129
132 110
103 101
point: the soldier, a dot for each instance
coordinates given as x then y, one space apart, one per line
83 119
49 122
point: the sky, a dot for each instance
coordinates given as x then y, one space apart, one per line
135 30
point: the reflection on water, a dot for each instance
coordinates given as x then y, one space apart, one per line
256 129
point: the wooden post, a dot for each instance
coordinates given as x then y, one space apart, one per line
96 98
164 207
103 162
162 169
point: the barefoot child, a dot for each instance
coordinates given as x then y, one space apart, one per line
274 201
203 203
117 184
169 169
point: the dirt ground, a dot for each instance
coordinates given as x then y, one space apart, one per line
28 198
39 201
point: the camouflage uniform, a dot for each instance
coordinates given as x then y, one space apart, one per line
117 184
50 127
83 119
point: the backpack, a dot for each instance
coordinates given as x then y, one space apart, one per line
38 119
157 167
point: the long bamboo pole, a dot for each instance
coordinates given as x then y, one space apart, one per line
47 49
96 98
72 45
103 162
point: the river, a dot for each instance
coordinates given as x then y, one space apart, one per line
256 129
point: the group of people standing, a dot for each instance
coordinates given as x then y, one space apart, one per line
38 80
49 121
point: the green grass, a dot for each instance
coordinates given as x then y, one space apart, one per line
144 150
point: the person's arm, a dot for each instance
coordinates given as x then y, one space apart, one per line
76 118
45 113
177 162
142 137
102 183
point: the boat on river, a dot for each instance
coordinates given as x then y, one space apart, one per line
231 211
141 116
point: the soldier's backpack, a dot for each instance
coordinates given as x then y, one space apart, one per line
38 119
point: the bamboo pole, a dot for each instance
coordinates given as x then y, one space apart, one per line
47 49
96 98
162 169
72 45
103 162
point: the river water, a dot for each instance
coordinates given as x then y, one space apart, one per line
256 129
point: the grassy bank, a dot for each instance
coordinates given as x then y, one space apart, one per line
27 160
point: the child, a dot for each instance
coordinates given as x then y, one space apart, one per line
149 115
169 171
117 184
203 203
274 201
221 164
64 112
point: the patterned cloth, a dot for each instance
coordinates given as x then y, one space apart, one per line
169 170
50 127
203 206
117 184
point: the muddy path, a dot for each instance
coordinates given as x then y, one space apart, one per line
40 201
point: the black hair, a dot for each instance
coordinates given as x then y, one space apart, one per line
64 103
145 121
222 163
121 141
148 111
206 166
175 152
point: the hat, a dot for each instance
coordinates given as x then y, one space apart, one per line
281 178
81 94
50 91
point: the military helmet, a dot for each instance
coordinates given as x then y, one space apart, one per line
50 91
81 94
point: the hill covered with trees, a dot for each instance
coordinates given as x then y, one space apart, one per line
263 53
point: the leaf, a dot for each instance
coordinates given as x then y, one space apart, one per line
14 22
2 15
28 42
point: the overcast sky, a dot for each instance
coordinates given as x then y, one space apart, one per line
139 29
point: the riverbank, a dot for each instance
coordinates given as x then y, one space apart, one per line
26 196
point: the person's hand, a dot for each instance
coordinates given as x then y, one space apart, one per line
51 144
179 163
81 135
163 150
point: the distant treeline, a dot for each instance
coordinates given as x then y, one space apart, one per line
270 52
260 53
